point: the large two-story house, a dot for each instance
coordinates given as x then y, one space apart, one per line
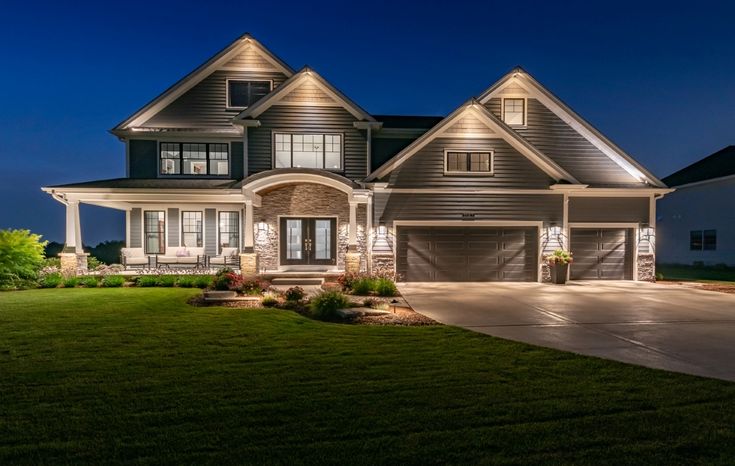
246 152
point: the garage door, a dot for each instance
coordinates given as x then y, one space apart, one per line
601 254
461 254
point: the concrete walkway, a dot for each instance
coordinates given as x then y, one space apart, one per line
662 326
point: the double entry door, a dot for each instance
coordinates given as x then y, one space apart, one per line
308 241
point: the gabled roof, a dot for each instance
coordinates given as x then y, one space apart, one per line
474 108
304 76
196 76
717 165
519 78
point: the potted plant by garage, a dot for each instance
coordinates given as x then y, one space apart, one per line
559 262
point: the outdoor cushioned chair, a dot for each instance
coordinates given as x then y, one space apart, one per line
134 257
229 257
193 257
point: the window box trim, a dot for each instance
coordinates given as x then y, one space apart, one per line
227 90
324 133
525 110
181 160
447 172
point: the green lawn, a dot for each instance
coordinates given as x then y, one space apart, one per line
691 273
136 375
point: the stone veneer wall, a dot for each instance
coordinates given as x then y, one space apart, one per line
646 267
384 264
306 200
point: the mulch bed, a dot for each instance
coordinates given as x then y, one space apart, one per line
718 287
403 316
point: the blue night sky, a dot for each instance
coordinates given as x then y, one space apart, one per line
658 80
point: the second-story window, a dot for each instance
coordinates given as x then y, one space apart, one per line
242 94
194 159
307 150
474 163
514 112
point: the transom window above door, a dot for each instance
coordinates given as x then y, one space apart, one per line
308 150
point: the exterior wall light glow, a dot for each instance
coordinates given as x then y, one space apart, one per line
261 226
382 230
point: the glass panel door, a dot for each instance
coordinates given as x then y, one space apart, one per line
322 239
294 239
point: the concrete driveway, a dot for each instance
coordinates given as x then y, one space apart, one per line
668 327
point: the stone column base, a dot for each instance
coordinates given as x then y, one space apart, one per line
73 264
249 264
646 268
352 262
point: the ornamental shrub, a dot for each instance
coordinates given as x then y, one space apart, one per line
146 281
71 282
166 281
385 287
113 281
363 286
185 281
294 294
203 281
52 280
89 282
21 257
270 300
324 305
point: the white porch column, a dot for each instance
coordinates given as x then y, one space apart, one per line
72 213
352 241
78 230
248 234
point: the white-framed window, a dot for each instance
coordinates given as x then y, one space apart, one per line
229 230
243 93
154 230
514 111
458 162
308 150
194 159
192 229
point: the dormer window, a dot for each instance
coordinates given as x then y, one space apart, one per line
242 94
514 111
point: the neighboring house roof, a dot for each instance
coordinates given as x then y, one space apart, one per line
717 165
408 121
163 183
305 75
196 76
521 79
478 111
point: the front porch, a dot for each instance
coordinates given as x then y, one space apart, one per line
279 221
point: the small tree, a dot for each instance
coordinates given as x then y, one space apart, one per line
21 256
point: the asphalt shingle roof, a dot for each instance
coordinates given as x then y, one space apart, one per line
717 165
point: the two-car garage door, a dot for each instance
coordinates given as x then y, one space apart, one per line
466 253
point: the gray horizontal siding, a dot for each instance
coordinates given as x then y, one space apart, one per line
136 228
210 232
205 105
566 146
389 207
307 119
143 158
173 227
608 209
425 169
237 160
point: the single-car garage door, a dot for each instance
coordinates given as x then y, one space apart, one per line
465 253
601 254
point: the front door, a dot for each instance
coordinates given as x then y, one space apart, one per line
308 241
